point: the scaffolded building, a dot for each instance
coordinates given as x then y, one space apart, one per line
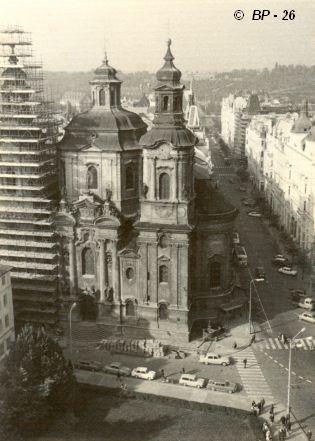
28 186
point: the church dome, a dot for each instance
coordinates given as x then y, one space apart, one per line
105 72
169 72
303 124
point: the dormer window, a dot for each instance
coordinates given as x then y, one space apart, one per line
177 104
112 98
91 178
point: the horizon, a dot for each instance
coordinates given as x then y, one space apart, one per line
70 35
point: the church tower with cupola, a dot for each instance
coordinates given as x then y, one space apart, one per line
168 154
167 206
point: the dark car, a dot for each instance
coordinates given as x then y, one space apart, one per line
87 365
260 273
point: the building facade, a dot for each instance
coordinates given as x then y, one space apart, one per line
281 162
28 181
6 312
140 227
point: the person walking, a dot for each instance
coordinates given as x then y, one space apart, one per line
258 405
262 402
309 434
245 362
268 435
253 339
235 345
183 370
265 428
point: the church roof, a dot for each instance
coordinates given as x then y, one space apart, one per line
169 72
177 136
105 73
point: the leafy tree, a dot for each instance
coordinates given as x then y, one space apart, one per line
36 383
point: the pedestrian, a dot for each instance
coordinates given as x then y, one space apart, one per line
272 409
262 401
271 417
235 345
309 434
118 375
253 339
254 403
258 405
254 410
265 428
282 420
162 373
268 435
183 370
245 362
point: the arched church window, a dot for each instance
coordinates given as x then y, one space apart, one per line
87 261
112 98
163 274
102 97
215 274
92 178
93 97
165 103
130 308
177 106
164 186
163 311
130 177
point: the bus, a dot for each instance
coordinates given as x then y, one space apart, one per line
240 255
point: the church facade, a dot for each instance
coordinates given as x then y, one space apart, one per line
140 227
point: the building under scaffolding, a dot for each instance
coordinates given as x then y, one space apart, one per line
28 133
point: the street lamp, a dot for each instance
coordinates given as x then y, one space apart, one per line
70 328
250 302
289 371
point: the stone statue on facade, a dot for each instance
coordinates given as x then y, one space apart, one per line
109 194
145 190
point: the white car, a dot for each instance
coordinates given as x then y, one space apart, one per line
213 358
144 373
287 271
254 214
192 380
308 316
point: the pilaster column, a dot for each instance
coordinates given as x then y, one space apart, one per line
72 267
102 270
115 273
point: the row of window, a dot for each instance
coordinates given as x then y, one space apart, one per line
5 346
131 310
92 177
6 322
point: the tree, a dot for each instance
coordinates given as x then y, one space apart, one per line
36 383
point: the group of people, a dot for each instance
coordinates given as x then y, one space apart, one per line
257 408
283 338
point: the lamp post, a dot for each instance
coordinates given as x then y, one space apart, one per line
289 371
70 328
250 302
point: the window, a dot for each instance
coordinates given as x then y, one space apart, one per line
3 280
163 311
177 104
130 273
91 178
5 300
130 177
164 186
215 274
163 274
112 98
6 321
102 97
165 103
87 261
130 308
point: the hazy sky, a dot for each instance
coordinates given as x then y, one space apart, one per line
69 34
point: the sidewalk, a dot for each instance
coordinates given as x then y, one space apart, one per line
233 404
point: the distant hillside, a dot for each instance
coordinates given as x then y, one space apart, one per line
289 83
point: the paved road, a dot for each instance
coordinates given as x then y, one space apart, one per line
278 314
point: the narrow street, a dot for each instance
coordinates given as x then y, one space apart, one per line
278 314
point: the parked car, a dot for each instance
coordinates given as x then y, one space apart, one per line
260 272
306 303
87 365
213 358
144 373
117 368
280 259
192 380
222 386
241 188
254 214
307 317
288 271
236 238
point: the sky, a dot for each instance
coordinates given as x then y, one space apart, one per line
71 35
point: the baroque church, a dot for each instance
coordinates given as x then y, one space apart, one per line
140 226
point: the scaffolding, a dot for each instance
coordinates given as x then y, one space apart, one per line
28 179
